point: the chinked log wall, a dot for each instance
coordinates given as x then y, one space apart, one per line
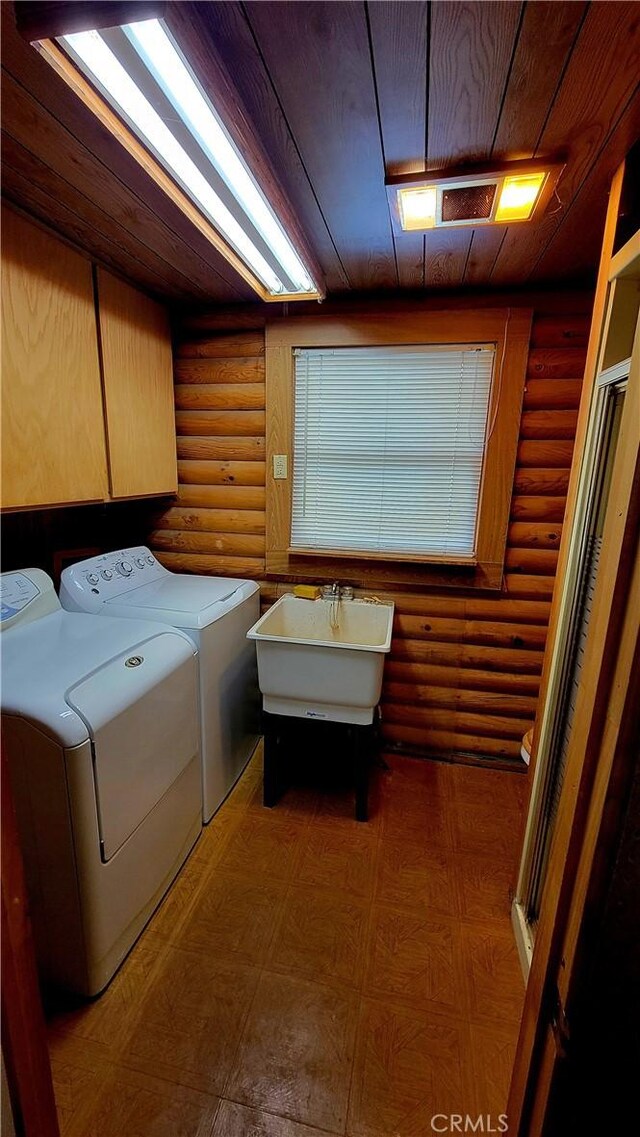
464 670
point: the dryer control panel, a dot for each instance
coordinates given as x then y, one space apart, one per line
25 596
88 585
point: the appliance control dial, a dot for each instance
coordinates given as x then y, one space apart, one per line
107 574
124 568
92 578
140 562
150 560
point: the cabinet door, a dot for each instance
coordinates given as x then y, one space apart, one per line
53 444
138 390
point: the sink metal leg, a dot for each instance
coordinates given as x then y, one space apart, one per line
362 761
273 782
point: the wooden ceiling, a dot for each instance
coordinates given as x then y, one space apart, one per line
339 94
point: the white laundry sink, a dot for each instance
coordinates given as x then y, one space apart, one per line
310 670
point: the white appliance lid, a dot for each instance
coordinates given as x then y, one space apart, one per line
186 594
143 737
42 660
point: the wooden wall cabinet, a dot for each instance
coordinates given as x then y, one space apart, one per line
138 390
87 410
53 442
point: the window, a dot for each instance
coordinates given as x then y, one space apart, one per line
388 448
395 433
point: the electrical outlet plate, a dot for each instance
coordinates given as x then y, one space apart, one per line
279 465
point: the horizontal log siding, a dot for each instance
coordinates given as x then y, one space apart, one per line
463 674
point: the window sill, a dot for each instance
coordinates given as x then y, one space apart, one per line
382 573
458 561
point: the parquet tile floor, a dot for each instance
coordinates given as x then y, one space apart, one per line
310 975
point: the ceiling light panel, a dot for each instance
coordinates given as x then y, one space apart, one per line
141 72
418 207
452 198
518 197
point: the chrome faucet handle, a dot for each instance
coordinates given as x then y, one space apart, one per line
331 591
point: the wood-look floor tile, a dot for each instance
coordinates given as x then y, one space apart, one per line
411 783
417 815
336 807
493 1049
296 1052
131 1104
485 886
408 1068
321 936
104 1021
77 1073
339 860
478 785
167 921
487 829
495 986
405 775
412 876
233 916
191 1020
246 786
415 958
299 803
215 836
263 846
242 794
236 1120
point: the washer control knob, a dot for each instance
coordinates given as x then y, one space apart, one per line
150 560
140 562
107 574
92 577
125 568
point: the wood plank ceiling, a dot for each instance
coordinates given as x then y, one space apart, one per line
339 94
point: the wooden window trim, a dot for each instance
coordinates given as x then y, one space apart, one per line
509 329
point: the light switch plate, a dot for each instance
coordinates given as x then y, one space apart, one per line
280 465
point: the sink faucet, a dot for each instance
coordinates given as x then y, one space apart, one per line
332 592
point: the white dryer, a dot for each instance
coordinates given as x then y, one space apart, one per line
216 612
99 722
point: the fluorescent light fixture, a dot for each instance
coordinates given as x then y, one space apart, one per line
155 46
418 207
141 73
486 195
518 197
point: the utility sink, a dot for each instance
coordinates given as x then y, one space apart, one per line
309 669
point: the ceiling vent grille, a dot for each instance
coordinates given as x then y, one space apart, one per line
468 203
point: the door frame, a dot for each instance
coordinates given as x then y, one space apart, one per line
605 699
24 1042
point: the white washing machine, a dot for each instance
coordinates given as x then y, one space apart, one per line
99 723
216 612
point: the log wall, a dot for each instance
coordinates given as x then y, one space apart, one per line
464 671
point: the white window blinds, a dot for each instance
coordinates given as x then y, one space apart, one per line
388 447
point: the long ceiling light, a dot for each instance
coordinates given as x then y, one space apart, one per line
140 71
487 195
